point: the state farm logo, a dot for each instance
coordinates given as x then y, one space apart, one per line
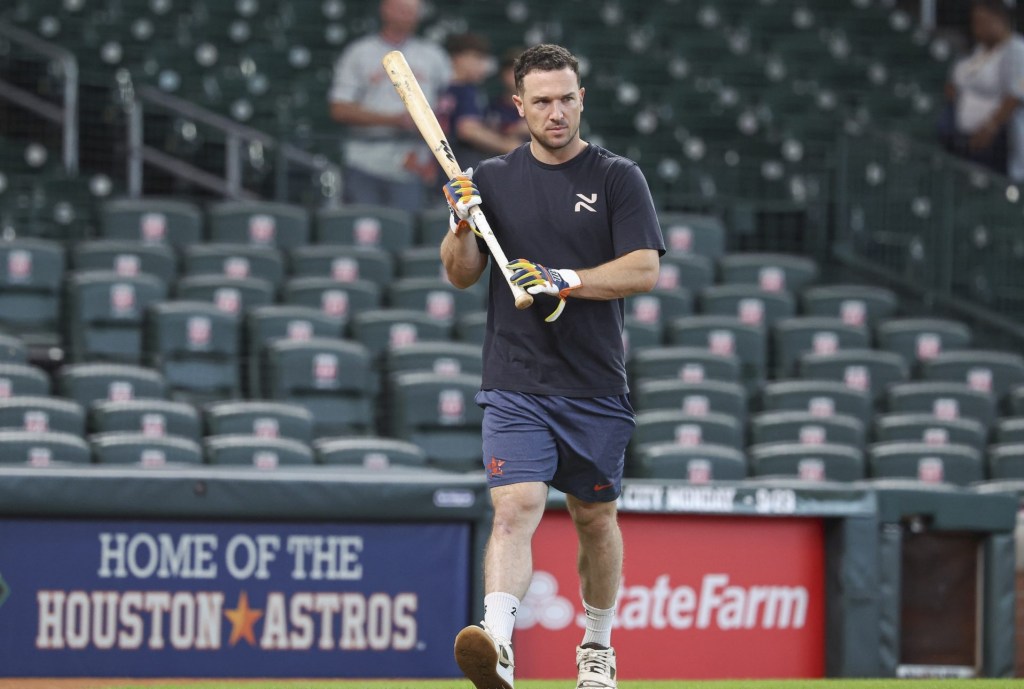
714 603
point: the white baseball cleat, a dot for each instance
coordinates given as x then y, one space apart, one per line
486 660
596 666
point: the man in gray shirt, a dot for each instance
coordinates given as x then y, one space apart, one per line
386 162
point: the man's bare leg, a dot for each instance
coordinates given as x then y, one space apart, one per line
484 653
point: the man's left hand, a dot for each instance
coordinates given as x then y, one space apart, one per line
537 279
983 138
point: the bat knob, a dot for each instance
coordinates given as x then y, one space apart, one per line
524 301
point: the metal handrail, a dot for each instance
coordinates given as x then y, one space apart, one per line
66 116
235 134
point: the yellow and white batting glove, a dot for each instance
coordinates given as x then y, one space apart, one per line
536 279
462 196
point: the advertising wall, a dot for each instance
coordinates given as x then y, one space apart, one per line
702 597
239 599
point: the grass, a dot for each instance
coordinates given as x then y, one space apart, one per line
568 684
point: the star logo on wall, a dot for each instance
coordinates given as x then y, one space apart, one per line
242 619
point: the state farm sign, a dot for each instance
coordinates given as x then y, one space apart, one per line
701 597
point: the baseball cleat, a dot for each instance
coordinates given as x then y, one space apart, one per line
597 667
485 660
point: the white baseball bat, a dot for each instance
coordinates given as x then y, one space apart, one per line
408 88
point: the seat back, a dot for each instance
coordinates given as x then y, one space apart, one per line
661 426
728 336
235 261
43 448
688 364
957 464
818 397
337 299
437 412
795 337
694 398
88 383
31 274
986 371
105 314
697 464
366 225
771 272
345 263
804 427
256 451
152 221
42 415
748 303
152 417
148 451
930 429
438 298
858 305
945 400
126 258
23 379
381 329
693 233
372 453
259 222
868 370
263 419
231 295
824 462
919 339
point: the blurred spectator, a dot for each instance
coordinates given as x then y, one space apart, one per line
386 161
985 93
463 105
502 113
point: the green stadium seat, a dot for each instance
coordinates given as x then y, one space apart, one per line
823 462
381 329
795 337
343 300
1006 461
365 225
154 417
688 364
265 223
471 327
43 449
257 451
127 258
945 400
234 261
152 221
105 313
146 451
92 382
42 414
919 339
818 397
687 271
659 305
231 295
804 427
637 336
264 324
660 426
196 347
344 263
333 379
770 272
443 358
1009 430
749 303
693 233
930 429
370 452
438 413
421 262
260 418
986 371
31 277
957 464
693 398
23 380
854 304
697 464
728 336
12 350
869 370
432 225
438 298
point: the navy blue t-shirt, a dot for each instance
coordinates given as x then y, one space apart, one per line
579 214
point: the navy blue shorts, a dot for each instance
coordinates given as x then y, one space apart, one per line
576 444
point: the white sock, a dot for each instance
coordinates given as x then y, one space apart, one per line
500 614
599 625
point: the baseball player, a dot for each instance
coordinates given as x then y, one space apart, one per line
554 393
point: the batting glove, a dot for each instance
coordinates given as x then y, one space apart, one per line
462 196
536 279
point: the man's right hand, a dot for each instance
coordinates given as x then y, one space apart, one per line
462 196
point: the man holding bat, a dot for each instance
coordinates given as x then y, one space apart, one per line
556 410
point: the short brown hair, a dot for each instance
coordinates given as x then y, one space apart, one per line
545 57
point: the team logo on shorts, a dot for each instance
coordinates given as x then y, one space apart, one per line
494 468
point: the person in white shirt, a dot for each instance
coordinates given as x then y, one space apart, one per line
386 162
987 90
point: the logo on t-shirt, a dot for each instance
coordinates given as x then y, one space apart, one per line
585 202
